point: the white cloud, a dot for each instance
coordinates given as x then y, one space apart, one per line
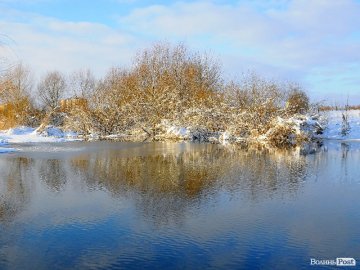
47 44
287 41
298 32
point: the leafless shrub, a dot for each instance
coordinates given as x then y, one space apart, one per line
254 103
297 101
169 80
281 135
82 84
79 120
51 90
164 82
345 125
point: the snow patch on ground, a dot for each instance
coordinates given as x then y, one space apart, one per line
336 125
180 132
32 135
329 125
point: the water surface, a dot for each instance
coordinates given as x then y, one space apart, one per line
106 205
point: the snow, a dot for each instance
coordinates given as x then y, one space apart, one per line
180 132
224 137
328 125
32 135
5 149
335 125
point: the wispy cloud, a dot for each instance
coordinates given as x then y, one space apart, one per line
47 43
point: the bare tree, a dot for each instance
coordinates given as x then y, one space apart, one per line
82 84
20 79
297 100
51 89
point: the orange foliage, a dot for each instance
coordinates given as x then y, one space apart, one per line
15 106
67 105
7 116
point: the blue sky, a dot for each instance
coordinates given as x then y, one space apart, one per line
315 43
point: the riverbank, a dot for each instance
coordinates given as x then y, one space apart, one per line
20 135
332 125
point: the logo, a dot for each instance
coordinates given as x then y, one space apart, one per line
336 262
345 262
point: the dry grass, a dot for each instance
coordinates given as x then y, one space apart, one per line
338 108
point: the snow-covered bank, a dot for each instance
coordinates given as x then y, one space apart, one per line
32 135
333 125
342 125
282 131
4 147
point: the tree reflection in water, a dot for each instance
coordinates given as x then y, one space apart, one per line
15 187
164 180
164 185
53 173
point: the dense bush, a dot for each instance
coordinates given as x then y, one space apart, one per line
297 101
166 86
18 107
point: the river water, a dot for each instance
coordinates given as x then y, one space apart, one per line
108 205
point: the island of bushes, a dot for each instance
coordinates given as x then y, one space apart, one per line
168 93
